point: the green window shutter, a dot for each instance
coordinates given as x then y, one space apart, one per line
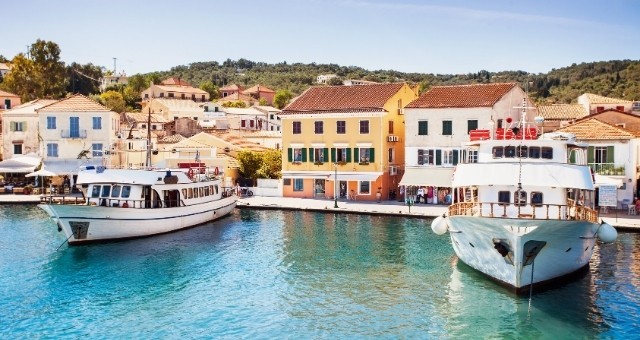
572 157
356 155
311 155
438 157
423 128
590 155
304 154
290 155
455 157
325 154
348 155
610 154
333 155
372 153
13 126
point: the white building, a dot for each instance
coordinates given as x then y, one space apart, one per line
323 78
439 121
594 103
76 131
20 129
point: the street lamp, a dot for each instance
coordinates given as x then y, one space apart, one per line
335 186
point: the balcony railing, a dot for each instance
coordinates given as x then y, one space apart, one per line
73 134
538 211
607 169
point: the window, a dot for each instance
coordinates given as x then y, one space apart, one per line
472 156
17 149
18 126
126 191
547 153
96 149
341 127
390 126
318 128
498 152
97 123
364 127
161 94
536 198
620 108
520 197
243 123
286 181
447 128
51 123
341 154
298 154
500 123
95 191
534 152
447 157
52 150
365 155
170 94
504 197
472 124
298 184
251 123
116 191
399 107
426 157
319 155
182 96
297 128
391 155
600 154
510 151
423 128
599 108
364 187
74 127
106 191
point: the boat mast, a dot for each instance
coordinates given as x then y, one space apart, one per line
148 161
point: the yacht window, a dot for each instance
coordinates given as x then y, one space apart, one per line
498 152
201 190
206 190
106 190
522 151
184 193
547 153
536 198
520 198
195 192
116 191
510 151
126 191
504 197
534 152
216 189
95 192
190 193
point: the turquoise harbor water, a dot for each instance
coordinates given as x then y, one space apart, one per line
273 274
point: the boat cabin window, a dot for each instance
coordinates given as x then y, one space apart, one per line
498 152
116 191
184 193
206 190
547 153
95 192
504 197
195 192
106 190
216 186
534 152
520 197
523 151
536 198
201 190
189 193
126 191
510 151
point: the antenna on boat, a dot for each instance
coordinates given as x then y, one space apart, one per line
148 161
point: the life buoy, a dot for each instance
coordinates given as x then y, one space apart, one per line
125 205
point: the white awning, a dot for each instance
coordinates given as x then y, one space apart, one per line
606 180
430 177
68 166
20 164
305 174
363 176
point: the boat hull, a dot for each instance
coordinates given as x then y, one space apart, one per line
84 224
507 250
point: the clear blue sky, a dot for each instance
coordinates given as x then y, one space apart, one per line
447 36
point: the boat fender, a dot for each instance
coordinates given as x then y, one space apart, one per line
607 233
439 225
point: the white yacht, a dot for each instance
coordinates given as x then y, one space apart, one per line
523 208
124 203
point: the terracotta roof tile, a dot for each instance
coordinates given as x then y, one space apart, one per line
362 98
172 139
258 88
562 111
7 94
593 129
75 103
174 82
144 117
475 95
182 89
597 99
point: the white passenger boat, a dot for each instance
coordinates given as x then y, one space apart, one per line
121 204
523 208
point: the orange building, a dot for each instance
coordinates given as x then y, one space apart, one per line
346 140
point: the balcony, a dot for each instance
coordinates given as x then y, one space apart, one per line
73 134
607 169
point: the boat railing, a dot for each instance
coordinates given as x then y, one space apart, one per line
111 202
537 211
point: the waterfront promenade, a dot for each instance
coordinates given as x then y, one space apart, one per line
619 219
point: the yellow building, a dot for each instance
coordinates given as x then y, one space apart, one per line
345 139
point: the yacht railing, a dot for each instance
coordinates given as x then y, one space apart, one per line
538 211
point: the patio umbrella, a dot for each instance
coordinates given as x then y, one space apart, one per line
41 173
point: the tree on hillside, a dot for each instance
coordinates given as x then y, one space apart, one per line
84 79
113 100
271 164
281 99
335 81
138 83
19 81
249 164
3 59
210 88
